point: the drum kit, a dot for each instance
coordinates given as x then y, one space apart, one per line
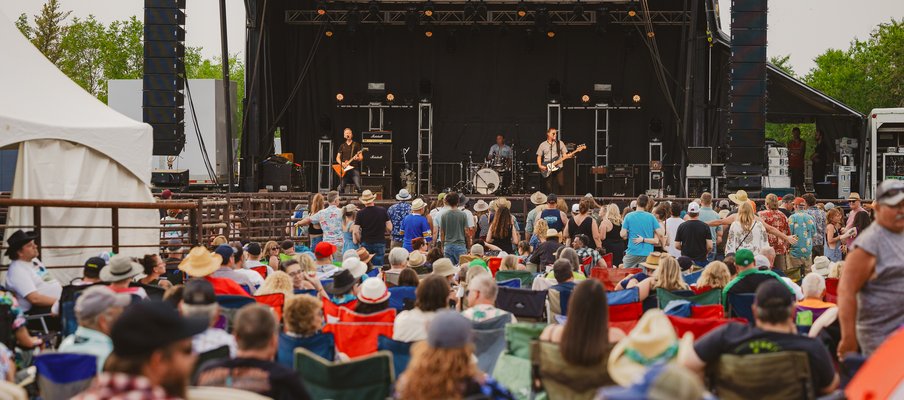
497 175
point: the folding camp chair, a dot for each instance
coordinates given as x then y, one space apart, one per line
218 353
331 310
261 269
561 380
63 375
780 375
708 311
612 276
309 292
691 279
512 283
364 378
398 296
68 297
698 327
625 312
356 334
321 344
401 353
741 306
626 296
832 290
230 305
275 301
494 263
527 278
221 393
489 341
608 259
513 367
706 298
522 303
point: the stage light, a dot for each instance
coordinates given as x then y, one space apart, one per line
636 98
482 9
390 97
411 19
551 33
585 99
428 30
329 30
578 10
632 9
374 8
428 9
469 10
650 34
602 19
340 97
522 9
321 8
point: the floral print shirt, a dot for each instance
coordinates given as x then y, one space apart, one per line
819 218
397 212
804 227
777 220
740 238
330 221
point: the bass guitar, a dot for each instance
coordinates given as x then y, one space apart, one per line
556 164
342 168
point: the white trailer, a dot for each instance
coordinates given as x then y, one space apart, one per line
886 146
125 96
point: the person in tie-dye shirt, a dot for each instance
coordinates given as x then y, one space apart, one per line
802 226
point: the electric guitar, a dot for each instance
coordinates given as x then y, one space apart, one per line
346 166
556 164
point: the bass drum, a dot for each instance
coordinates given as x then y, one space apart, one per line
486 181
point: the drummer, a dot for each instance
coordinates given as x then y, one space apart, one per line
500 151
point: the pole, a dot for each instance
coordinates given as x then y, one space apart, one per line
226 95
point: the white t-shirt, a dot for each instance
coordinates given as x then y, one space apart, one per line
22 279
253 276
671 229
411 325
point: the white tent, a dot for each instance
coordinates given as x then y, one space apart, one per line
71 147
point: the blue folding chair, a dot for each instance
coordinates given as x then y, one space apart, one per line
692 278
401 353
373 273
741 306
321 344
512 283
64 375
247 289
309 292
325 282
233 301
626 296
398 295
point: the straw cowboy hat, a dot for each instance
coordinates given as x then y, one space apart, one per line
199 262
652 261
503 202
481 206
740 197
364 255
538 199
651 341
418 204
552 232
120 267
821 265
416 259
367 197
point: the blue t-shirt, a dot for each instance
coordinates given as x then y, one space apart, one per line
640 223
415 226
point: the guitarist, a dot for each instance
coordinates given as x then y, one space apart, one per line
348 152
551 150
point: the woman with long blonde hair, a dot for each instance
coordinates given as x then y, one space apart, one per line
747 231
277 282
610 230
667 277
271 254
539 235
714 276
314 232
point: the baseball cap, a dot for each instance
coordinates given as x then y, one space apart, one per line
723 203
93 267
225 251
254 248
575 208
449 330
324 249
685 262
198 292
693 208
552 198
799 201
99 298
147 326
890 192
174 244
773 293
761 261
743 257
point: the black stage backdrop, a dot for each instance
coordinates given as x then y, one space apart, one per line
484 82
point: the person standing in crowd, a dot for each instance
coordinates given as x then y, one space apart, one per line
775 217
787 205
415 225
257 334
554 217
775 331
315 233
610 229
819 158
482 213
693 237
26 277
802 226
502 232
96 309
371 226
152 356
856 206
453 225
583 224
872 284
834 238
538 199
671 225
642 231
349 212
397 213
329 220
746 231
200 301
819 220
796 149
708 214
348 152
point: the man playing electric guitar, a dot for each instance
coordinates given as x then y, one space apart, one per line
551 150
350 155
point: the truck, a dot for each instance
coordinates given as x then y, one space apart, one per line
886 147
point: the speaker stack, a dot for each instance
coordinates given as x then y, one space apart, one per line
164 74
376 168
745 158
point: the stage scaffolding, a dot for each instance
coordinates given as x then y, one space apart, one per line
492 17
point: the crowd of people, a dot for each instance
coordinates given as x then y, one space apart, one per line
823 280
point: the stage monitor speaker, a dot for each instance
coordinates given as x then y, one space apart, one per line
377 160
277 174
699 155
378 184
170 178
617 187
747 183
745 155
743 169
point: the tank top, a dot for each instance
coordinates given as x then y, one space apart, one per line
504 243
553 218
613 237
585 228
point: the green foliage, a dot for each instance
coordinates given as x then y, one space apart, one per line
869 74
783 63
49 29
781 133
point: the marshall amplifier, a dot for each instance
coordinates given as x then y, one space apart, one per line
621 171
617 187
379 185
379 137
377 160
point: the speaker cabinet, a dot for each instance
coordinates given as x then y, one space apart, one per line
377 160
617 187
382 185
170 178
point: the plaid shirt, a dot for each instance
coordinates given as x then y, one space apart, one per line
117 386
819 218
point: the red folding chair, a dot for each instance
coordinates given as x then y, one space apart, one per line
261 269
356 334
708 311
611 276
608 259
698 327
831 290
331 310
494 264
625 326
275 301
625 312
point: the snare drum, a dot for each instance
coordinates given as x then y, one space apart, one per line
486 181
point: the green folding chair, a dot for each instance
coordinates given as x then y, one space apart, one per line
362 378
526 278
706 298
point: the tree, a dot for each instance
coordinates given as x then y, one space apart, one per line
82 55
49 29
198 68
783 63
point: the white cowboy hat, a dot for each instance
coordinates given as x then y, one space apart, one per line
652 340
367 197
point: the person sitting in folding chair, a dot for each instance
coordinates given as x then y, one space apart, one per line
35 290
97 308
200 301
481 294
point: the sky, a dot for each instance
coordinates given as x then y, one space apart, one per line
800 28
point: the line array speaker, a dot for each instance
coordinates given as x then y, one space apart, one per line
164 74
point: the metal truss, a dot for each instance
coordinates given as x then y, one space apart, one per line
493 17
